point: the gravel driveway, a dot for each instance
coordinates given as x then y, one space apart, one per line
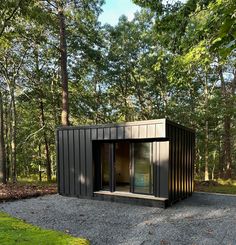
201 219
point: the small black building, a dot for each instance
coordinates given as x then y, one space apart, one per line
144 162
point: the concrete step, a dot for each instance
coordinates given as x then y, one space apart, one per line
131 198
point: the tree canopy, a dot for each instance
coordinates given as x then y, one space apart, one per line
174 59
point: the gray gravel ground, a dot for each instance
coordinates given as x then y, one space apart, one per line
202 219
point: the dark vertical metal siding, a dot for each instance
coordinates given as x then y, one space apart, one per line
76 148
66 162
61 185
181 161
71 161
173 159
164 169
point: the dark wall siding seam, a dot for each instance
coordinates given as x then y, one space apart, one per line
181 164
188 169
57 161
85 158
174 162
177 163
68 150
63 162
188 166
82 162
172 165
79 173
73 147
66 166
76 157
159 169
187 162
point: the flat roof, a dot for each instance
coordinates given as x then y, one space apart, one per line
122 124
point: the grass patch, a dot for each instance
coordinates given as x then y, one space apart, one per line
16 231
216 186
222 189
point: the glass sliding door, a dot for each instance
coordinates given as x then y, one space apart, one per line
142 168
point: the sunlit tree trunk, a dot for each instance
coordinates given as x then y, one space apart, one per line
64 73
206 175
2 145
13 135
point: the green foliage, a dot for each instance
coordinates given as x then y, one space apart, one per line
15 231
174 60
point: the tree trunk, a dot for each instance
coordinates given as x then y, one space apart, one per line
226 146
40 161
206 175
2 145
64 74
13 136
7 140
47 152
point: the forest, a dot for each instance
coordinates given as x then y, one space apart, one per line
60 66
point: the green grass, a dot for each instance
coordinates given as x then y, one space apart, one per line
16 231
222 189
217 186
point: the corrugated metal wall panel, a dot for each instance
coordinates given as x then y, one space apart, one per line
113 133
66 162
143 131
94 134
100 134
172 163
106 133
89 164
151 131
178 165
82 175
60 157
120 132
181 164
135 132
71 161
77 161
160 130
164 168
128 132
181 161
158 184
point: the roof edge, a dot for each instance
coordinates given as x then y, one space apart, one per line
143 122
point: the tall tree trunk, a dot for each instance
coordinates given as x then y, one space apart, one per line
7 140
206 175
13 136
2 145
64 74
226 146
47 152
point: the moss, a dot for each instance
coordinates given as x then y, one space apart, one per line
16 231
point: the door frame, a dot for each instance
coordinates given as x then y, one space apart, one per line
112 170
